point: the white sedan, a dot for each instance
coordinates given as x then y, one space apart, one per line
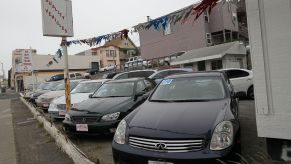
108 67
242 81
57 108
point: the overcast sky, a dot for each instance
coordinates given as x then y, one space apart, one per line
21 22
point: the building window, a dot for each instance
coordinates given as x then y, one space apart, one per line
208 38
201 66
168 29
216 64
112 53
206 16
94 53
107 53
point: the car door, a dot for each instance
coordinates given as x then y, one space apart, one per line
140 87
240 79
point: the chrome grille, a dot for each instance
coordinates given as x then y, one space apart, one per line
171 146
84 120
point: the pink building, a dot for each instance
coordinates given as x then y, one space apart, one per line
219 27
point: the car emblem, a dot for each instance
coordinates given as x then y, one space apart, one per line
161 146
84 120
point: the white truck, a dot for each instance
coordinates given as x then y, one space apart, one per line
269 24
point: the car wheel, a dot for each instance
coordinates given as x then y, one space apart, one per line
251 93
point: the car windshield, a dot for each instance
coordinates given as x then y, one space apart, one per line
87 87
51 86
121 89
190 89
60 87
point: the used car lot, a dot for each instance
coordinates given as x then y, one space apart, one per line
165 83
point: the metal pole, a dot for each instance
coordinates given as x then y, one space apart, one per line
32 73
1 79
66 75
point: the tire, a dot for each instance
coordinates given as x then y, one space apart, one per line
251 93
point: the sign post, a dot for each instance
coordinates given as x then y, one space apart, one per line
57 21
66 75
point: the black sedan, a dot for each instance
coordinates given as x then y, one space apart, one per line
189 118
107 106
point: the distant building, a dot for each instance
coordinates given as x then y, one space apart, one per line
116 52
20 79
228 55
219 27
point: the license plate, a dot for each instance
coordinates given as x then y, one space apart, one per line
62 113
82 127
159 162
45 105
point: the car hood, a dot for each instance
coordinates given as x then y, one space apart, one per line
52 94
192 118
75 98
105 105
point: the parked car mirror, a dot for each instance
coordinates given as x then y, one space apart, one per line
91 95
139 94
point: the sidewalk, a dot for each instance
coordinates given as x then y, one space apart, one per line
7 142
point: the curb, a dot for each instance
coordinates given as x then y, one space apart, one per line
62 141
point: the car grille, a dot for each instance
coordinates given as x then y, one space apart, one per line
171 146
84 120
61 106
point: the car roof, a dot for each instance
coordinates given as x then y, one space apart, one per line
117 75
196 74
95 81
127 80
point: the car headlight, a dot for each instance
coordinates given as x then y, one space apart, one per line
119 136
222 136
67 117
110 117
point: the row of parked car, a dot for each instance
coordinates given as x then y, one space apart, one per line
167 116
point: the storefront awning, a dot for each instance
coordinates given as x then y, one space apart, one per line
212 52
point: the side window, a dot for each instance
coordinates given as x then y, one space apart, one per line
149 85
72 85
140 87
72 75
232 74
123 76
78 74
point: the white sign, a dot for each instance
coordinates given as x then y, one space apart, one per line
25 68
57 18
26 57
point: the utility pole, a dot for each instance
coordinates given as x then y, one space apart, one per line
66 74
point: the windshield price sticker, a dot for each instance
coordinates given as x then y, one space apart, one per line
167 82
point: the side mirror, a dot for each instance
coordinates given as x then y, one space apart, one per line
90 96
138 95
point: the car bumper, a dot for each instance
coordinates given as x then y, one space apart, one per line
100 127
125 154
55 113
44 105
